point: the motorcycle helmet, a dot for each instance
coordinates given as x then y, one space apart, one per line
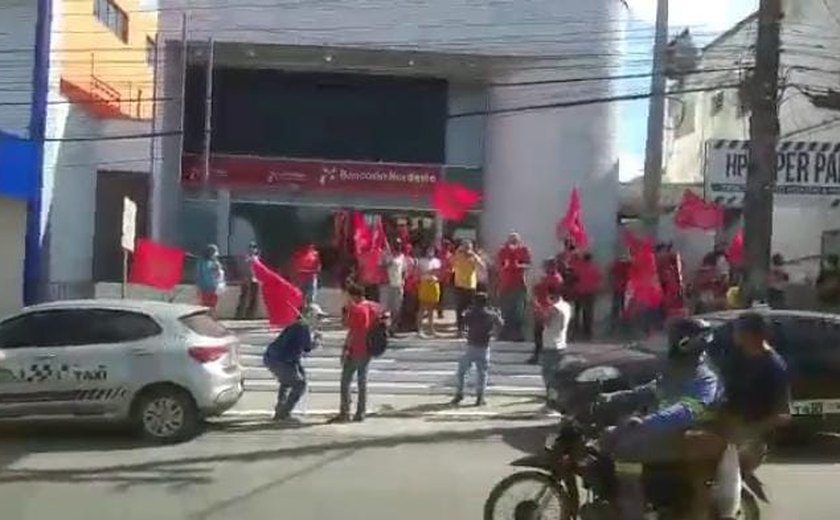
688 339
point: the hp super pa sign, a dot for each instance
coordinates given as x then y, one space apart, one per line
802 169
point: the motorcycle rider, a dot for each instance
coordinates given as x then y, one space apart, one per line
756 402
680 397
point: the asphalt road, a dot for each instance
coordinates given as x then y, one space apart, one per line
409 468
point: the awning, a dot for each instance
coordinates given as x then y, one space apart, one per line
17 157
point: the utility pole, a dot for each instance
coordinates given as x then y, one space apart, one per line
656 122
764 136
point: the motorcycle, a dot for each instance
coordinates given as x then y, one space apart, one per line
575 479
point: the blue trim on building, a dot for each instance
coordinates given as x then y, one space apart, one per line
37 132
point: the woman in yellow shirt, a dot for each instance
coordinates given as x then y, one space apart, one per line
465 264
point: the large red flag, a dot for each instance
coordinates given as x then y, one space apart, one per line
156 265
282 299
571 226
362 238
452 201
735 251
643 286
378 237
694 212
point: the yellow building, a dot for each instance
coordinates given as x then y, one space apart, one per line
106 54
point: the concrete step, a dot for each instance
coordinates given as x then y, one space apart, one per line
255 361
376 388
404 376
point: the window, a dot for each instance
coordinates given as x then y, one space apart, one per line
18 332
204 325
119 326
717 102
113 17
150 51
63 328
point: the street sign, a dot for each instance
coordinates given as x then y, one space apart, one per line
804 169
129 224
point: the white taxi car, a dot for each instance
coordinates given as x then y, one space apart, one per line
159 365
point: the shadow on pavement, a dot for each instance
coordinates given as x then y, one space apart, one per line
185 471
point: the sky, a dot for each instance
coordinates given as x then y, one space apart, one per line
706 18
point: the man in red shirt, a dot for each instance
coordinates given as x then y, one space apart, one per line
589 280
306 264
512 261
552 280
360 316
619 276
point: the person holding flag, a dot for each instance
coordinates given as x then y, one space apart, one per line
306 265
513 260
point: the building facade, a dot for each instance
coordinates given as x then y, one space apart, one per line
486 70
97 145
809 111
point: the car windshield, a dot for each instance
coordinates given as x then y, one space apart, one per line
203 324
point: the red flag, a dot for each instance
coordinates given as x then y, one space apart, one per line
643 286
379 239
571 226
282 299
735 251
361 233
156 265
452 201
694 212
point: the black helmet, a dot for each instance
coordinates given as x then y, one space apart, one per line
688 338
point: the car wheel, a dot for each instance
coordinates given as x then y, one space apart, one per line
166 415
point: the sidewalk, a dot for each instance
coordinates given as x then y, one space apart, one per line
259 405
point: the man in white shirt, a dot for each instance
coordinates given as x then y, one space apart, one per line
391 294
556 326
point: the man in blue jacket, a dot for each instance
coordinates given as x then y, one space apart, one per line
681 397
283 358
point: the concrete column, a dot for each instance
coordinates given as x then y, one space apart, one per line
166 194
534 158
223 220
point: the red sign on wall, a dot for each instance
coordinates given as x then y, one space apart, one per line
311 175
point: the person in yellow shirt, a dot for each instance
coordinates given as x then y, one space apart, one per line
465 264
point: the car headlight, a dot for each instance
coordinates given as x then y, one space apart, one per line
551 440
595 374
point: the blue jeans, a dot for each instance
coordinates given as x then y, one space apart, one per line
550 359
480 357
359 368
512 303
292 379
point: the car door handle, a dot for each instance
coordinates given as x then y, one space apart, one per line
45 356
141 352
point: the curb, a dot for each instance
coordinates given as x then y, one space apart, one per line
245 415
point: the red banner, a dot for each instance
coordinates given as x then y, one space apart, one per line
312 175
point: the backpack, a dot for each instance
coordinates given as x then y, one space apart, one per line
377 338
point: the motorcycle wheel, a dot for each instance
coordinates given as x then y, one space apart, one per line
503 503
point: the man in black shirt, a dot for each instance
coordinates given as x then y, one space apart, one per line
757 401
481 322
